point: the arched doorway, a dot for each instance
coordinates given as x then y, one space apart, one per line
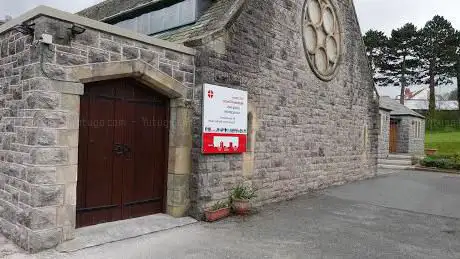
123 152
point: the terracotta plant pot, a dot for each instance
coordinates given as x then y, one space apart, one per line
431 151
241 207
216 215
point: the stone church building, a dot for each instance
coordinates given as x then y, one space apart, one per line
101 111
402 130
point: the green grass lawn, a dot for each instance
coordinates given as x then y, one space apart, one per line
445 142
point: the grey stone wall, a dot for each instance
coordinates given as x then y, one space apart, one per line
384 135
417 141
307 134
408 142
403 130
39 123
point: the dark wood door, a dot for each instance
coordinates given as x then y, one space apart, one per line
393 136
123 148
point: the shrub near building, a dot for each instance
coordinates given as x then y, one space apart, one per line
443 161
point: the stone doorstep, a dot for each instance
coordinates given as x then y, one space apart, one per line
119 230
396 167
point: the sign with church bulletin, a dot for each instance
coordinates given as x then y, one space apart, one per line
225 120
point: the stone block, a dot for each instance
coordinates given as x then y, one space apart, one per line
130 53
66 174
177 211
66 215
72 156
70 102
41 175
14 170
37 218
149 57
68 138
109 45
50 119
6 196
67 59
53 71
178 75
115 57
45 239
97 56
178 182
28 72
70 197
49 156
179 161
14 232
166 68
47 195
173 56
88 38
68 232
43 137
44 84
187 68
18 184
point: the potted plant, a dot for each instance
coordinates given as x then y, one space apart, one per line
217 211
240 197
431 151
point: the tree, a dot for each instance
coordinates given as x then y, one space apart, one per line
375 42
400 60
457 70
437 46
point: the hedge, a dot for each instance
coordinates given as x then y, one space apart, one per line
442 161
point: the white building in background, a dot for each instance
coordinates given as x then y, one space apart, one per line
422 105
420 102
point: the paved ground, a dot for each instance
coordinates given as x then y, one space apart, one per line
395 216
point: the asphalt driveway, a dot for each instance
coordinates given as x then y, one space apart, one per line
403 215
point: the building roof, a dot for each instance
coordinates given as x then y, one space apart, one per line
92 24
396 108
213 20
420 104
109 8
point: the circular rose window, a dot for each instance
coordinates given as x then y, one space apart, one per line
321 37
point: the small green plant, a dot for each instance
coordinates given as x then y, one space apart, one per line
442 161
242 192
219 205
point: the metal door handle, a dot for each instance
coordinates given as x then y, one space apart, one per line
126 149
121 149
118 149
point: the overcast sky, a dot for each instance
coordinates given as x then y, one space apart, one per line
376 14
382 15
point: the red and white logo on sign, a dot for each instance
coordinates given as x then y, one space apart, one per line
210 94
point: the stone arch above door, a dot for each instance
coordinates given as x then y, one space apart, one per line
137 69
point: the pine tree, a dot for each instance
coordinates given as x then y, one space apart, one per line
437 46
375 42
400 61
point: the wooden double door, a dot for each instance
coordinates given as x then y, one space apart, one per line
393 136
123 147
